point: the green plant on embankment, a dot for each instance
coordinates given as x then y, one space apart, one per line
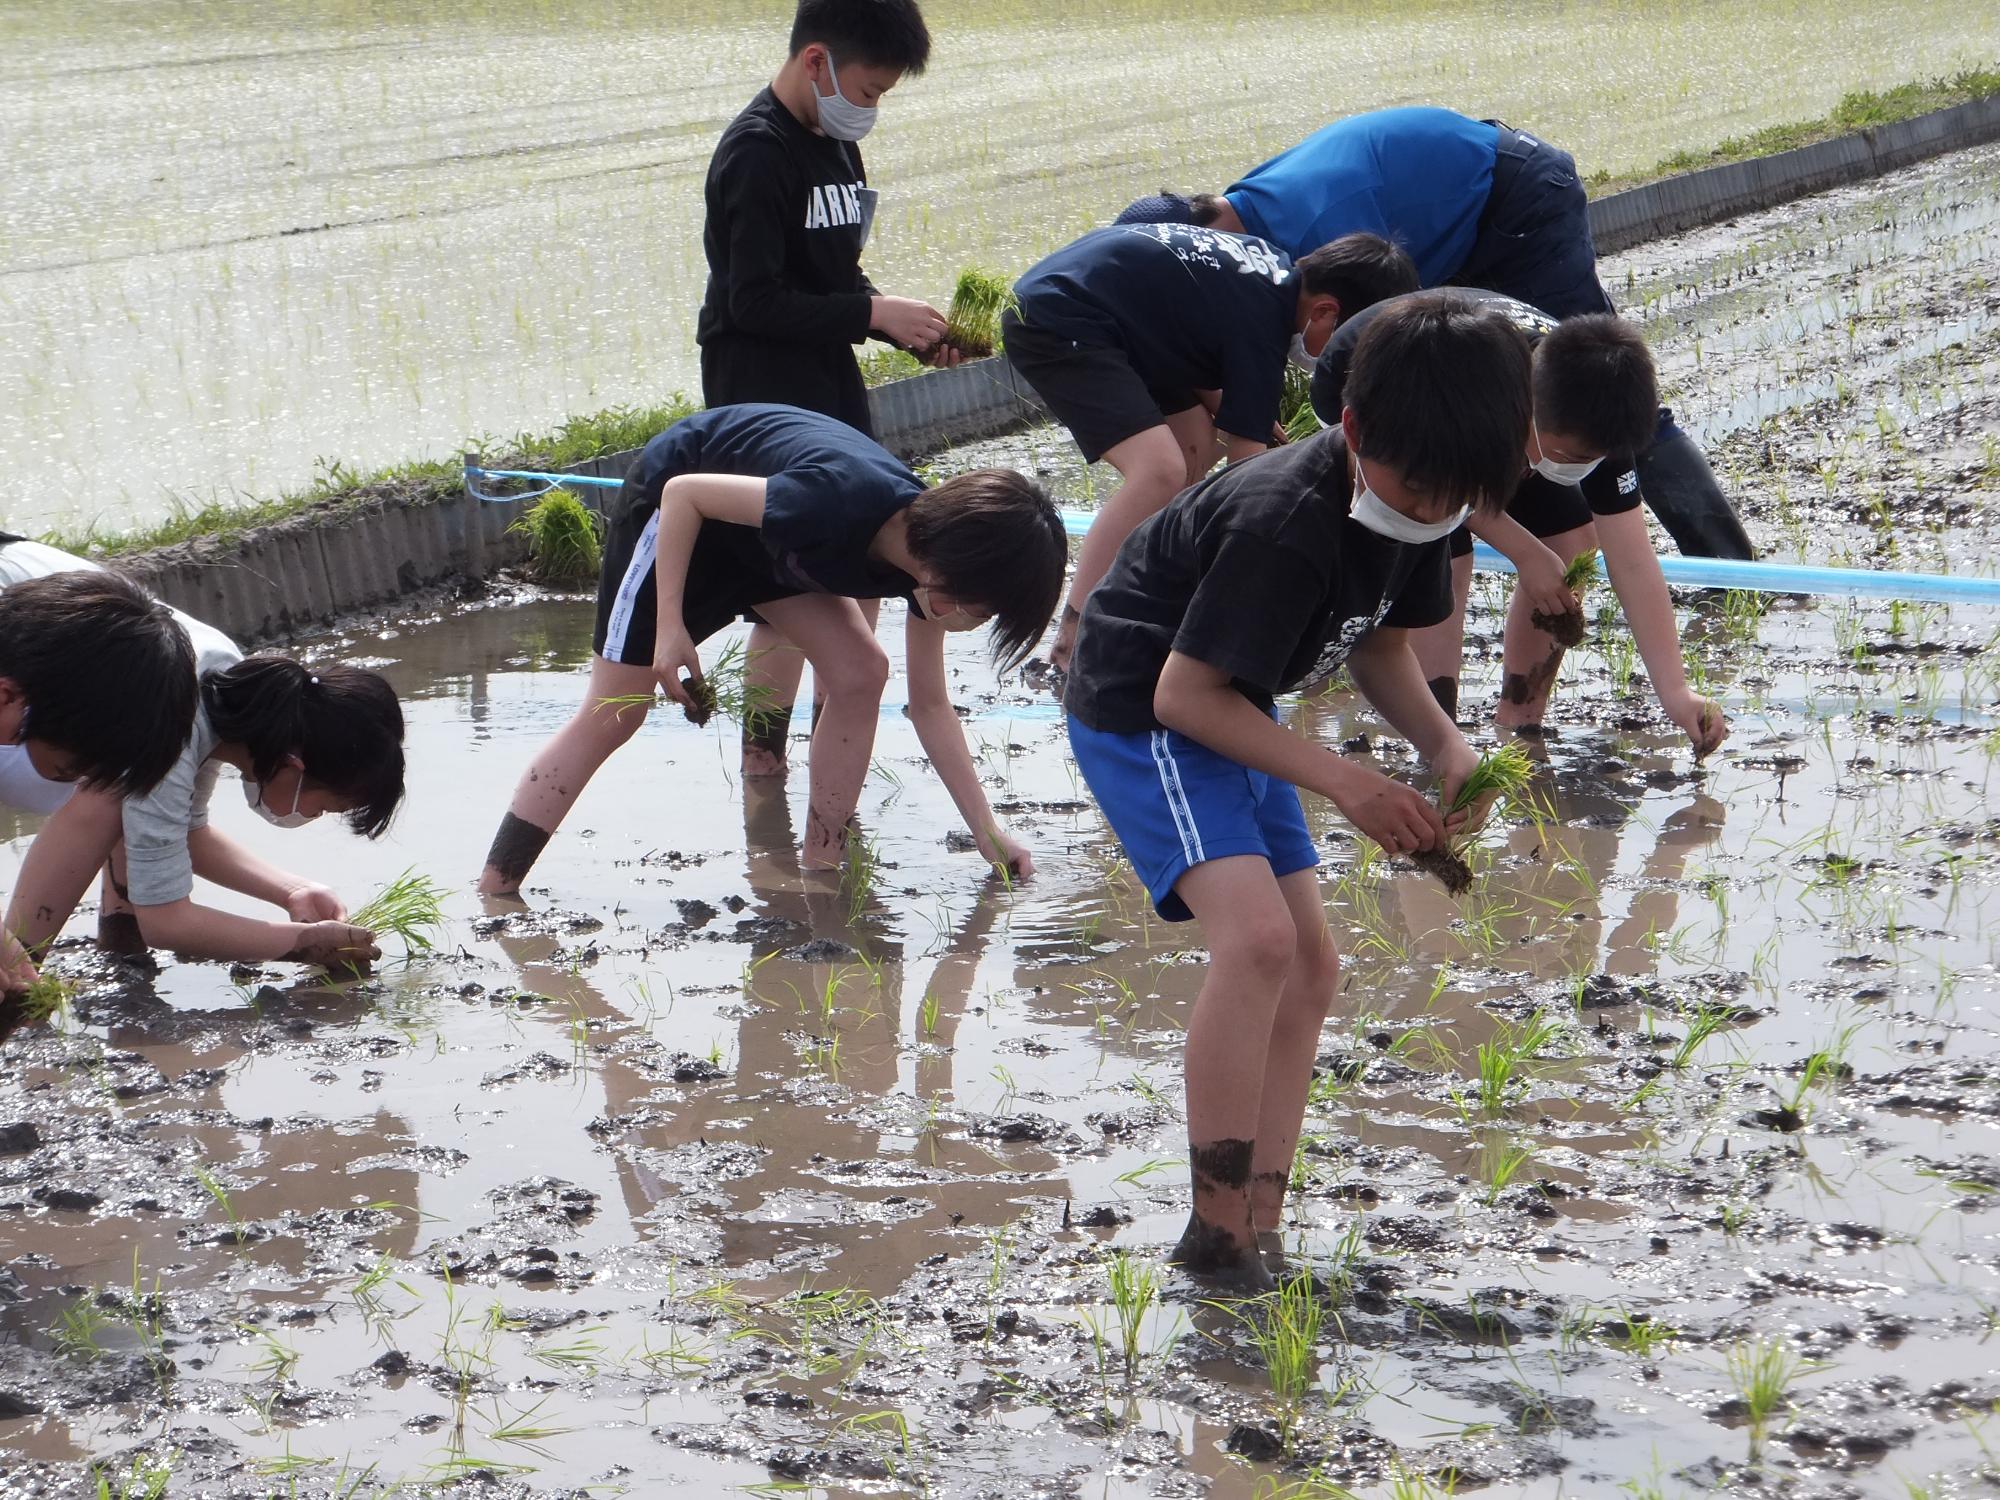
422 482
1863 109
562 535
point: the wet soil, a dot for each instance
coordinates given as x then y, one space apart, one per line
694 1174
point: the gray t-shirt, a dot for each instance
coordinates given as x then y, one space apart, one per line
156 825
158 867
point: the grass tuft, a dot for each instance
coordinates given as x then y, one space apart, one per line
562 533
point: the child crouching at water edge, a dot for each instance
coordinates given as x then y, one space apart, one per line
1262 579
307 741
798 516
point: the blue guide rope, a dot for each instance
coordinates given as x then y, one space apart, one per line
1691 572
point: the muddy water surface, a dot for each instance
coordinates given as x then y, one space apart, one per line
695 1175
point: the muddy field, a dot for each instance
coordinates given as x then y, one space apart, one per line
1664 1160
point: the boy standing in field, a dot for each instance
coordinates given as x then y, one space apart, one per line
1269 576
1477 203
789 211
798 516
1595 396
1149 341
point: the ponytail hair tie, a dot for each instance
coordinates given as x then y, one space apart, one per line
314 681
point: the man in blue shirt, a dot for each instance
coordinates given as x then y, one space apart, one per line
1475 203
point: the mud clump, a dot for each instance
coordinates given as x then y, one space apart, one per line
1447 865
1568 628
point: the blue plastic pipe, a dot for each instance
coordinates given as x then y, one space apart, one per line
1692 572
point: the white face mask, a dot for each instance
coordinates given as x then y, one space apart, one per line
839 117
1299 356
1382 518
1548 468
253 793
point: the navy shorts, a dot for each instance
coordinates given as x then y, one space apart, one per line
1175 804
1533 241
1093 392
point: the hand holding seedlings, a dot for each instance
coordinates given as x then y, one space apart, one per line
1500 773
1568 625
1702 720
677 664
410 908
1008 856
1399 818
315 903
916 325
335 945
17 969
1544 583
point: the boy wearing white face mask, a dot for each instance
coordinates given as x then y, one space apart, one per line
1595 398
1261 580
789 209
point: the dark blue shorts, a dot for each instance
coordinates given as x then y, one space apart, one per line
1175 804
1534 240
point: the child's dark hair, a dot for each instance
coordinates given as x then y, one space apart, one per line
874 33
1439 389
1205 208
106 671
1594 381
1360 269
343 724
998 544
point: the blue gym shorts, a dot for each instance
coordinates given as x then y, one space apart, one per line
1175 804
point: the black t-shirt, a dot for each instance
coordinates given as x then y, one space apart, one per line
1193 310
1258 571
1611 487
787 213
827 491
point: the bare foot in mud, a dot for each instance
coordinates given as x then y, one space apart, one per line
1219 1260
761 765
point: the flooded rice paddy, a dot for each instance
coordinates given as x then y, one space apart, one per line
245 242
1665 1159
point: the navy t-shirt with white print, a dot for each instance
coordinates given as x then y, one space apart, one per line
1258 571
827 491
1191 308
1610 489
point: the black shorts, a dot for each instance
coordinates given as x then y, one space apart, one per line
1541 506
1092 391
728 574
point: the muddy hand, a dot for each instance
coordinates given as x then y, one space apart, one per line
675 658
336 945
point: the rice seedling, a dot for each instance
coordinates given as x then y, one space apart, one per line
409 908
927 1013
972 323
1504 772
78 1331
1762 1370
1284 1325
46 998
1295 408
215 1190
563 533
1135 1289
146 1479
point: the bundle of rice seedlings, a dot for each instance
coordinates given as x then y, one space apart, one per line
1295 407
563 538
409 908
972 325
725 688
1503 772
35 1005
1568 627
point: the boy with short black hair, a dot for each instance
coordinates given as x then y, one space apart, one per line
799 516
1477 203
97 688
1151 341
1595 396
1263 579
789 211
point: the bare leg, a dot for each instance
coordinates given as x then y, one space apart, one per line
561 769
1251 939
1153 467
770 677
66 855
1440 648
1529 656
1201 445
854 668
1288 1061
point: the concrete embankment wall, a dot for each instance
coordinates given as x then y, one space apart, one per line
349 557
